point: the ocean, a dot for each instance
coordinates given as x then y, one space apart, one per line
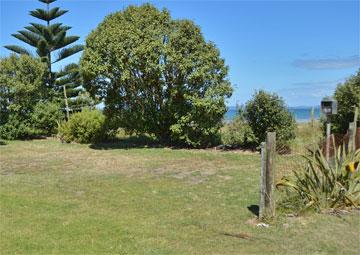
302 113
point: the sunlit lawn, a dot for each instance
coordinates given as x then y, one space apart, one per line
72 199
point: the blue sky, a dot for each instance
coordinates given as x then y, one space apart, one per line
298 49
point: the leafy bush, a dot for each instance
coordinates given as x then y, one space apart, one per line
17 128
348 97
46 117
237 133
324 184
178 84
199 127
83 127
268 113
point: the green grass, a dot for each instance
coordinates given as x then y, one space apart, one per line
72 199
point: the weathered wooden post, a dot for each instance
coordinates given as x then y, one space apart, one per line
267 201
312 117
355 125
66 103
352 135
352 131
327 145
262 181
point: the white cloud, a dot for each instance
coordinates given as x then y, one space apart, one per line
328 63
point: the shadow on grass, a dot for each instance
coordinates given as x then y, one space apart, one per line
128 143
254 209
30 138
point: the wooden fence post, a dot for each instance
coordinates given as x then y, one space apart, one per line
352 135
328 135
267 201
356 113
312 117
66 103
262 182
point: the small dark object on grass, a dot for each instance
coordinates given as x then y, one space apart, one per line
254 209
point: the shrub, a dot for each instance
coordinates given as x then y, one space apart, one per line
237 133
348 97
199 127
46 117
324 184
17 128
174 88
83 127
268 113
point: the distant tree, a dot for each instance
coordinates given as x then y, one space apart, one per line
348 97
157 75
51 43
267 112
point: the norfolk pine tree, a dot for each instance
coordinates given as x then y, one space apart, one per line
52 44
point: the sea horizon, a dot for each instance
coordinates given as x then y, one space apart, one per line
301 113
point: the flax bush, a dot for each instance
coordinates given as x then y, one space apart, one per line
326 184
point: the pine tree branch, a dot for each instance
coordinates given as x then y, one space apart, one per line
66 41
24 37
47 1
64 53
18 49
48 15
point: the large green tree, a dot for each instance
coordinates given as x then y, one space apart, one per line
51 43
157 75
21 87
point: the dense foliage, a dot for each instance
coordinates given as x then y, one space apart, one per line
157 76
83 127
268 113
21 88
237 133
324 184
46 117
348 97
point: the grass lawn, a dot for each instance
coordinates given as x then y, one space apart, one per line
72 199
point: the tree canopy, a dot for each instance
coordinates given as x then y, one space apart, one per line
21 87
348 97
157 75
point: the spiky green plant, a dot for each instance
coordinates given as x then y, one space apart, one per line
51 43
327 184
